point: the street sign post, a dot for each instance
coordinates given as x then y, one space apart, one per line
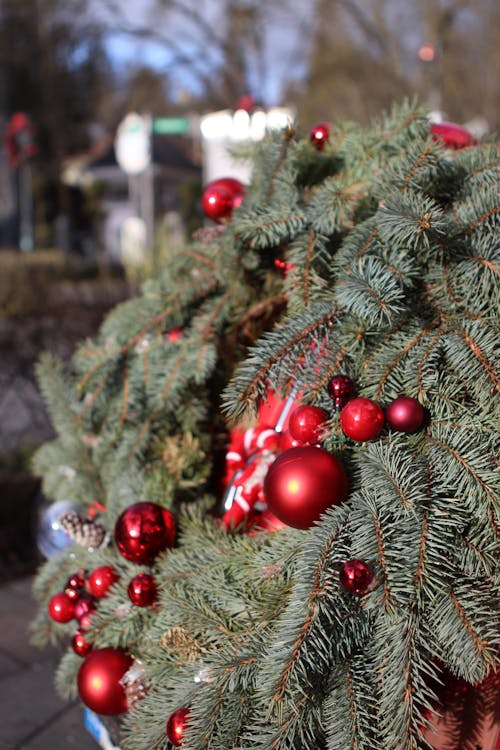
171 125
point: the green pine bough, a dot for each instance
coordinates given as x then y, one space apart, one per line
391 246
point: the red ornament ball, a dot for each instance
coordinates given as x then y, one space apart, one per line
220 197
100 580
306 423
452 135
142 590
362 419
73 594
355 576
302 483
99 680
143 531
176 726
61 608
76 581
79 645
405 414
84 608
320 135
340 389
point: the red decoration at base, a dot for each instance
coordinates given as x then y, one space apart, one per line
99 678
176 726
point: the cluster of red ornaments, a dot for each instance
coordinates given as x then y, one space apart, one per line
220 197
305 480
78 600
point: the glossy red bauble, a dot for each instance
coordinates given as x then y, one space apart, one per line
452 135
99 678
84 608
76 581
355 576
320 135
405 414
340 389
302 483
142 590
307 422
61 608
143 531
79 645
100 580
362 419
221 197
176 726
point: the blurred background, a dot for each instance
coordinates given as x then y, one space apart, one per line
114 113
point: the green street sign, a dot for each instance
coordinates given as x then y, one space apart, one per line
170 125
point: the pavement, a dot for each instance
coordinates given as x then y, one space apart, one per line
32 715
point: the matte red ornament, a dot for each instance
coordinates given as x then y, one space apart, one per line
61 608
100 580
143 531
362 419
340 389
302 483
221 197
306 423
176 726
355 576
405 414
99 680
142 590
80 646
452 135
320 135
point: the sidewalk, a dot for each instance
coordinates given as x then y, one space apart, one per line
32 716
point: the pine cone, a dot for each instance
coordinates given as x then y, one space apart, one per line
134 684
83 531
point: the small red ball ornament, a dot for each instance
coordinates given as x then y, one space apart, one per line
355 576
76 581
100 581
306 423
79 645
176 726
302 483
61 608
405 414
452 135
73 594
340 389
84 608
320 135
362 419
99 678
221 197
143 531
142 590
